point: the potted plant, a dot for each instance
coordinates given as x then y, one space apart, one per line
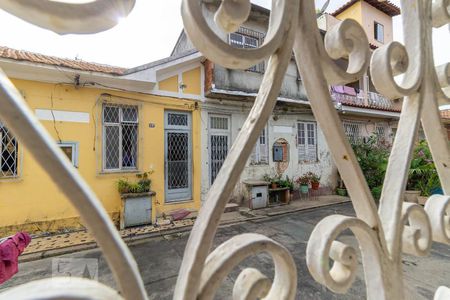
341 190
136 208
422 177
314 179
303 181
372 155
276 181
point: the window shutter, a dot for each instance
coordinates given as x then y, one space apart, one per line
301 142
312 154
302 152
263 155
311 142
253 156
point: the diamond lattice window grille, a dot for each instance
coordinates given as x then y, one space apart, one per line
9 151
359 131
120 137
176 119
219 151
178 160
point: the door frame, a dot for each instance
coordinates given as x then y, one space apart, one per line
185 194
222 132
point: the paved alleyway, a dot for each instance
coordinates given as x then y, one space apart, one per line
159 259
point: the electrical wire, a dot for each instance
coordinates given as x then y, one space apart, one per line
53 115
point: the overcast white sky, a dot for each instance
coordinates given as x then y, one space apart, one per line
149 33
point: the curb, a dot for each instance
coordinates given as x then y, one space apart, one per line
134 239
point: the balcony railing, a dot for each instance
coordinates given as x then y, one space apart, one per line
374 101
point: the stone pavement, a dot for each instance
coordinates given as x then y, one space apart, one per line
58 244
159 259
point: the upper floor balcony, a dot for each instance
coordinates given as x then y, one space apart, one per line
350 96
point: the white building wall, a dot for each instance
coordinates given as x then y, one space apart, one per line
284 121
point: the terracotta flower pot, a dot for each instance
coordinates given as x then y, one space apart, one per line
315 185
274 185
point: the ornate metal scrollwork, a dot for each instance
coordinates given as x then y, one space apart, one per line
382 235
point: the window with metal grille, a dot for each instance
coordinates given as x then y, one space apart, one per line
353 131
378 32
8 154
247 38
219 122
260 154
120 137
383 133
307 141
219 143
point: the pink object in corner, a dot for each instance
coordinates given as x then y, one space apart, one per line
349 91
179 214
10 249
338 89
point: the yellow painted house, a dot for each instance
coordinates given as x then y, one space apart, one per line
112 123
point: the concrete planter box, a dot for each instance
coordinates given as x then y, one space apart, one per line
411 196
136 209
422 200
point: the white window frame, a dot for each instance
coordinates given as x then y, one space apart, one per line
177 195
74 146
304 151
376 33
226 132
17 156
248 34
105 124
258 158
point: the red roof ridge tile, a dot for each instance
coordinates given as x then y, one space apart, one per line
386 6
77 64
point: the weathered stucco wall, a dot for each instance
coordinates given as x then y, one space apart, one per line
238 111
240 80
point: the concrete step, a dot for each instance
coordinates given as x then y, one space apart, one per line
231 207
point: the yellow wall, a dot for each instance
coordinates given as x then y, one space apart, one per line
372 15
34 199
191 79
365 14
353 12
170 84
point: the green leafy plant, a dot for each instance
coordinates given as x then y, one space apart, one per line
143 184
372 158
287 183
422 174
267 178
313 177
273 179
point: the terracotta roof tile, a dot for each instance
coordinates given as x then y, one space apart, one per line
23 55
386 6
393 108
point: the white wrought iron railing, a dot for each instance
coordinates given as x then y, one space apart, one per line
383 234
